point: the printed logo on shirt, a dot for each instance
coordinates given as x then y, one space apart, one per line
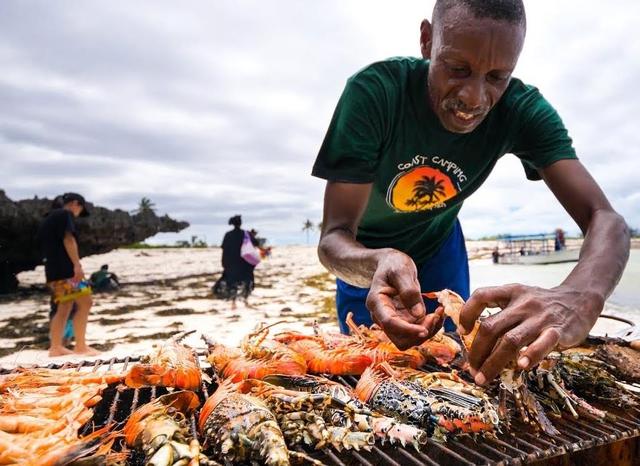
424 183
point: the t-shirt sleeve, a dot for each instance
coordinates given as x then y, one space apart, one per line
63 224
542 138
351 148
69 224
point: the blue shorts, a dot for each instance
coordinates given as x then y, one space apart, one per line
68 330
447 268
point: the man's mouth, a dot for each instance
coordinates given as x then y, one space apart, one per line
465 116
462 115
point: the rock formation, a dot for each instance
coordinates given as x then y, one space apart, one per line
103 231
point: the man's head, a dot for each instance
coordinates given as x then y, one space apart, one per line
76 204
473 46
236 221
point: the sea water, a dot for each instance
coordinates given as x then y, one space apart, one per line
623 302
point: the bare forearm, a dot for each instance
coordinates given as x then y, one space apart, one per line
71 247
349 260
603 256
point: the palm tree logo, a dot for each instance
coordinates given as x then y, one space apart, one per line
427 190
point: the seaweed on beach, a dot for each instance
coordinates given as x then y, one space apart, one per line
132 338
176 311
33 335
135 307
321 281
107 322
26 326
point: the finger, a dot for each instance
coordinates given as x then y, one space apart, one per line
433 322
409 293
543 345
402 333
505 352
489 332
495 296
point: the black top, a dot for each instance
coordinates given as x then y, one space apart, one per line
57 264
236 269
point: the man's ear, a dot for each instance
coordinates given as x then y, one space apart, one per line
425 39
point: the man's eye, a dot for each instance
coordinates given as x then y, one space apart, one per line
496 78
458 71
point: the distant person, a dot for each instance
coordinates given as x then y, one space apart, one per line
103 280
559 241
495 255
64 274
237 273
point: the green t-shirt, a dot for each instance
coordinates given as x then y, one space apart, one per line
384 132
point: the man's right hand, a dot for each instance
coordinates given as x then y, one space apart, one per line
396 304
78 273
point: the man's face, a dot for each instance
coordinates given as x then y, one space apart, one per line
471 64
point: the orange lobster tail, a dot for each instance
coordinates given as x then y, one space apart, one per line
142 375
241 368
370 380
188 379
387 351
184 401
134 425
338 361
471 425
224 389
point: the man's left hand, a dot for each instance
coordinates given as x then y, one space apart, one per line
536 318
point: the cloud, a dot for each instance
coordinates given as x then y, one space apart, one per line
217 108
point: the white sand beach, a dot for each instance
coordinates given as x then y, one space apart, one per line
169 290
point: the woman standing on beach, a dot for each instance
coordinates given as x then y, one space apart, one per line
237 272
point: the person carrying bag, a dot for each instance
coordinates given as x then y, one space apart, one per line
239 257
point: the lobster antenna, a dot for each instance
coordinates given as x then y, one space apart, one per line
181 335
273 325
353 327
208 340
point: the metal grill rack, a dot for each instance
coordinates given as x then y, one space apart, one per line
519 445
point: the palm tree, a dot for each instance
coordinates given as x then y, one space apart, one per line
307 226
145 205
427 187
319 226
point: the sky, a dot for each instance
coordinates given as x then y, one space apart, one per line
212 109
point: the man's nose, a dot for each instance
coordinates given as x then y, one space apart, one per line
474 94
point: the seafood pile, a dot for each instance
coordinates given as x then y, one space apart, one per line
41 412
280 397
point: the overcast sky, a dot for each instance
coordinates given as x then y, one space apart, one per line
213 108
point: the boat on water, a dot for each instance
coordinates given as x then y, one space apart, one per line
538 249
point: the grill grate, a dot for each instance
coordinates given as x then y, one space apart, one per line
520 445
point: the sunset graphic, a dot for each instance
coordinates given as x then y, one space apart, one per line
420 189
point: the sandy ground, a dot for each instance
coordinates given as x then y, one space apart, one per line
166 291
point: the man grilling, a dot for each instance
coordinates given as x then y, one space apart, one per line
409 141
